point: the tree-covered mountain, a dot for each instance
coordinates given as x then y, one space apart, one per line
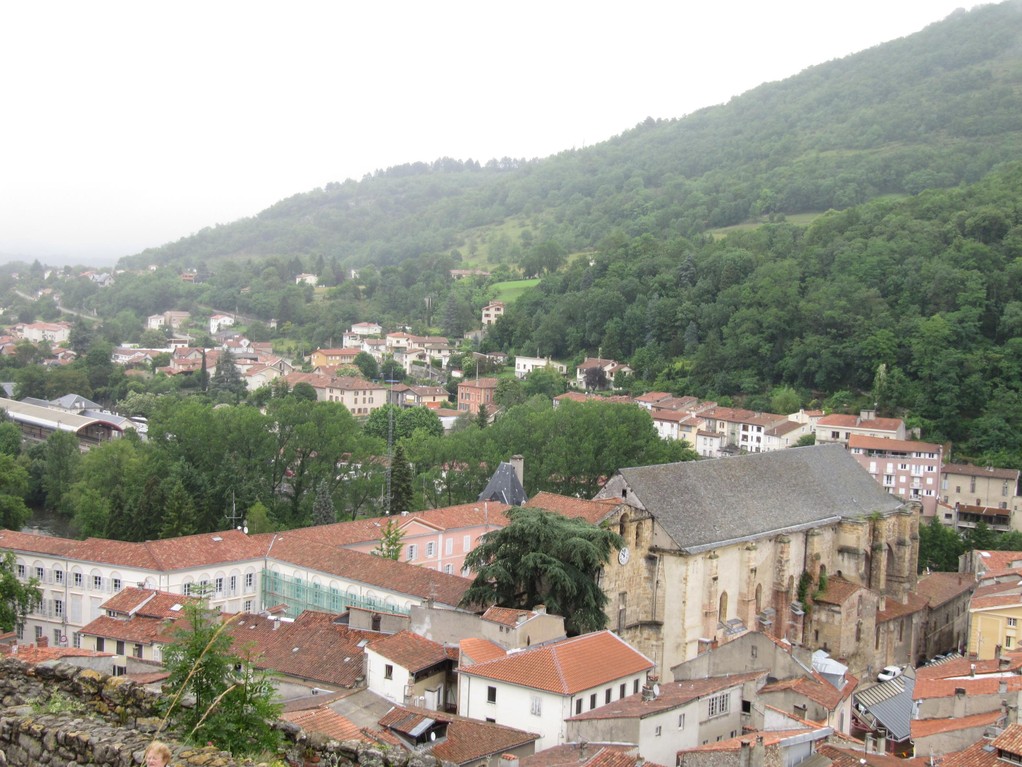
934 109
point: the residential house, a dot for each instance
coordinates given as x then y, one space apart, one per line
37 332
838 427
742 431
492 312
910 470
948 596
709 444
476 393
710 546
457 740
322 359
486 636
650 399
410 670
538 688
359 395
995 611
220 322
306 278
172 319
136 622
788 677
525 365
367 329
404 395
788 742
962 687
438 539
982 486
610 369
294 650
1004 748
664 718
784 435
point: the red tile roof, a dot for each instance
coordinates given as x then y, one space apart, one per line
941 680
368 529
770 738
894 609
149 603
891 445
593 512
922 728
324 720
507 616
672 695
383 573
409 650
566 667
975 755
30 653
841 420
838 591
475 650
849 757
1010 740
980 471
939 588
140 629
586 755
468 740
311 647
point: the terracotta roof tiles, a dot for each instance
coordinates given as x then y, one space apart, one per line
568 666
672 695
593 512
409 650
923 728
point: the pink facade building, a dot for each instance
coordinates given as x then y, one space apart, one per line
907 469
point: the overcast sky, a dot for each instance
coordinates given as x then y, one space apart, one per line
130 124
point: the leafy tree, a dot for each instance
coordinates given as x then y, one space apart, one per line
391 370
305 391
178 511
13 488
482 417
509 392
784 400
258 519
233 702
63 456
368 365
980 537
227 379
17 599
323 512
545 381
544 558
595 378
10 438
389 546
805 440
939 547
401 493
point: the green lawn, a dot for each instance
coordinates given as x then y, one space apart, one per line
510 290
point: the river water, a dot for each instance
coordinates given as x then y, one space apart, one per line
44 522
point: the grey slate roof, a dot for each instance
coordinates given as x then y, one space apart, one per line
702 504
504 487
891 705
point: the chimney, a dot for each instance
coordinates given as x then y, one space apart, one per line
508 760
1003 663
539 609
518 462
1002 687
959 703
743 755
582 755
276 623
972 669
881 741
757 753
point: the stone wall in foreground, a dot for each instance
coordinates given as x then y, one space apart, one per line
114 719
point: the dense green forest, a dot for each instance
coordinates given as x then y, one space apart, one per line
300 462
934 109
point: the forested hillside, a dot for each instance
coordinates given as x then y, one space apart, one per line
934 109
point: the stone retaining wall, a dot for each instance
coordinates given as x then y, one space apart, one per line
109 721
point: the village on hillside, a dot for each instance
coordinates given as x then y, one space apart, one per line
767 604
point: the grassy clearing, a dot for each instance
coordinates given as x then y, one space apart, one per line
510 290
